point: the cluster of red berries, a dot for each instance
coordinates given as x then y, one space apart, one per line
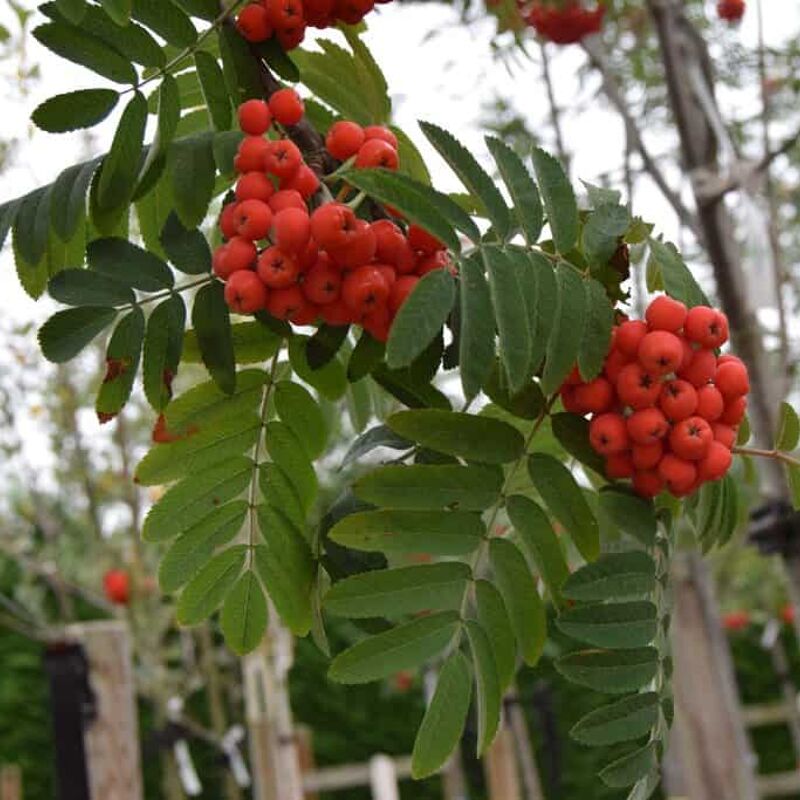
666 408
327 264
565 22
287 20
731 10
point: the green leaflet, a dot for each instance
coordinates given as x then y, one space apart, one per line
212 326
471 488
477 331
677 279
287 452
192 170
253 343
627 770
443 724
521 597
467 436
630 513
68 200
66 333
73 110
559 200
610 671
627 719
82 287
788 429
611 625
278 491
489 693
445 533
298 409
244 614
187 249
602 232
205 593
493 618
163 345
330 381
596 339
215 94
563 497
122 364
404 647
195 497
128 264
613 575
572 432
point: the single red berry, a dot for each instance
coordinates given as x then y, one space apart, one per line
286 106
376 153
660 352
322 283
307 314
319 13
287 198
284 303
568 400
352 11
690 438
423 242
359 250
677 473
304 181
254 186
701 369
344 139
688 354
706 326
253 23
665 314
724 434
282 158
291 230
333 225
364 289
608 434
383 133
284 13
596 396
310 255
389 274
647 483
732 380
629 336
647 456
337 313
245 293
227 220
678 400
734 411
710 403
731 10
254 117
253 219
251 154
439 260
392 247
716 462
647 426
636 387
613 365
116 586
400 291
237 254
377 323
619 466
277 269
728 358
291 36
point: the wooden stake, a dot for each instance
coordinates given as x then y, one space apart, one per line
305 755
500 766
717 762
112 739
383 778
10 782
524 746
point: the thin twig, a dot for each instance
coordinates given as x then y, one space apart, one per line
777 455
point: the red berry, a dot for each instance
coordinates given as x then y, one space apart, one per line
701 368
629 336
310 255
227 220
731 10
647 426
245 293
716 462
377 323
423 242
660 352
619 466
596 396
732 380
608 434
284 303
613 365
253 23
254 186
286 106
706 326
439 260
116 586
364 289
237 254
290 37
636 387
376 153
284 13
291 230
359 250
337 313
647 456
322 283
728 358
383 133
400 291
282 158
286 198
253 219
678 400
678 474
333 225
710 403
318 13
724 434
304 181
307 314
647 483
251 154
392 247
690 438
254 117
344 139
277 269
665 314
734 411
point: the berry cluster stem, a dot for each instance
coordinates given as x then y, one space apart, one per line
777 455
169 292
